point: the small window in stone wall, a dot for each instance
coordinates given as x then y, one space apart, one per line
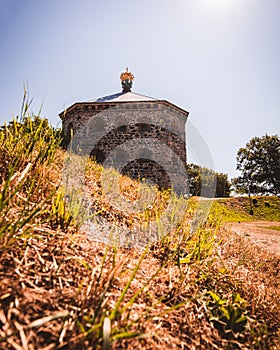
70 130
69 134
97 155
144 127
122 128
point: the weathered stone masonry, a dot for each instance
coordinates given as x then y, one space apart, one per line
144 139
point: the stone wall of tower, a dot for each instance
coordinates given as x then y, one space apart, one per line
141 139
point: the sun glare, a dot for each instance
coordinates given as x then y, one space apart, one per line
220 5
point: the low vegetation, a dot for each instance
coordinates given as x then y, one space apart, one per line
239 209
198 287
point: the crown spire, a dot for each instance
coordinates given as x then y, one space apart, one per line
126 80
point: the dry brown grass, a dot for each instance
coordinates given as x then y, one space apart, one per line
58 288
55 275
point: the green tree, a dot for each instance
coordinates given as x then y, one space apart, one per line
207 182
223 187
259 164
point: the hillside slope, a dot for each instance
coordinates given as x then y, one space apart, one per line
236 209
197 287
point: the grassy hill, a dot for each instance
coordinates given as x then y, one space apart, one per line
238 209
197 287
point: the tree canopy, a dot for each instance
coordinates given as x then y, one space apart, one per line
259 164
206 182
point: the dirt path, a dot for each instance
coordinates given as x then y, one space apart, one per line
260 233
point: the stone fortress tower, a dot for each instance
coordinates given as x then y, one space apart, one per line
140 136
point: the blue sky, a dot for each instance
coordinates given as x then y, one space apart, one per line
218 59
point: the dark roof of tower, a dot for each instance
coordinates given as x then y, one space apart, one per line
124 97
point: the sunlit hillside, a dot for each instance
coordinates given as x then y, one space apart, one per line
198 286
